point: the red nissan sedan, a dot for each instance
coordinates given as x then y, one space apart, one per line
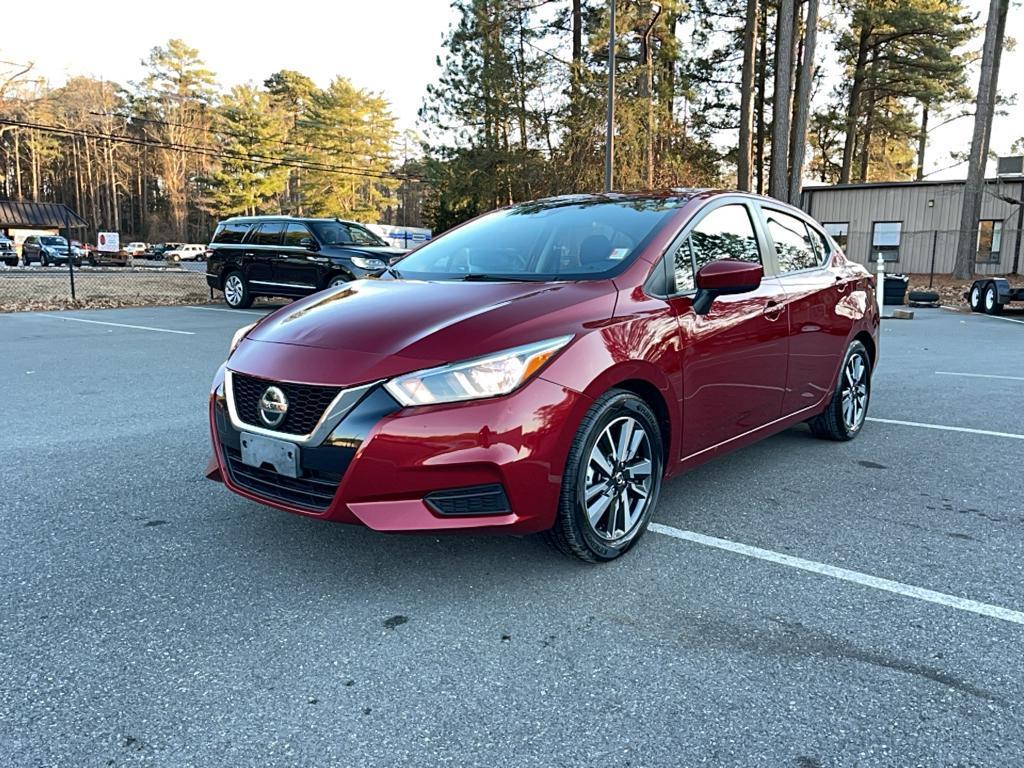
546 366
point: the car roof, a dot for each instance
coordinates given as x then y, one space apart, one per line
284 217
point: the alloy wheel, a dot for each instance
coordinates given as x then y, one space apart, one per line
618 478
854 393
234 290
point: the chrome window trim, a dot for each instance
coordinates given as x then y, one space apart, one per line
332 415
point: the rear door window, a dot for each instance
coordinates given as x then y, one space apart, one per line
794 245
268 233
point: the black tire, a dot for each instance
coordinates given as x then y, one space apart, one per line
923 297
43 261
573 534
833 423
991 300
337 280
976 296
237 294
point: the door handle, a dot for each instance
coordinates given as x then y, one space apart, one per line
772 310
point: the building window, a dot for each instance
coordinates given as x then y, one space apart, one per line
990 240
885 240
840 232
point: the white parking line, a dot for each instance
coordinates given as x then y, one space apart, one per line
844 574
232 311
946 428
980 375
116 325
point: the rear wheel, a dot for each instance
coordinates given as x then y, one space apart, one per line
975 299
236 292
992 305
612 479
848 408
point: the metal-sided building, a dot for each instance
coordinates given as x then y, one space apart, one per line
915 224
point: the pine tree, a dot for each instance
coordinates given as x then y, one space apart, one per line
352 131
251 130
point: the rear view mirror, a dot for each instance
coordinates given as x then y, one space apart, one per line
724 277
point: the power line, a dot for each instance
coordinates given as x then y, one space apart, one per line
211 152
131 117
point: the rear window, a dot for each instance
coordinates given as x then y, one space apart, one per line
229 233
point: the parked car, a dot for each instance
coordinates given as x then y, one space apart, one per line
284 256
543 368
157 251
47 250
8 254
135 249
186 252
98 258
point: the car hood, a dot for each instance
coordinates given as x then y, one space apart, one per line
381 328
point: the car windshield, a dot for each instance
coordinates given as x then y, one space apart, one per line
578 239
344 233
53 241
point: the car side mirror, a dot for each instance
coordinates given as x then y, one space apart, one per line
309 244
724 277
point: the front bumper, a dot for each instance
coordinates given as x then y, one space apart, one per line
395 469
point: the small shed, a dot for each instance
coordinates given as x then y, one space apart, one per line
913 224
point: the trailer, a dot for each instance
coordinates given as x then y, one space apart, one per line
991 294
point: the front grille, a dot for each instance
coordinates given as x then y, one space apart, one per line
306 402
476 500
314 492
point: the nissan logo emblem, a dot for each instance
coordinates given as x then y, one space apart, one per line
273 406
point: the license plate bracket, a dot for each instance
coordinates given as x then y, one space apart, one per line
259 451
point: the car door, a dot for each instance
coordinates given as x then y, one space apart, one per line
814 292
735 356
299 264
264 246
30 249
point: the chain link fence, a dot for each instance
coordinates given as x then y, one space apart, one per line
146 282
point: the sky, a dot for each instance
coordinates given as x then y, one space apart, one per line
387 46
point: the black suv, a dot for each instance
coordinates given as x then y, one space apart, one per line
254 256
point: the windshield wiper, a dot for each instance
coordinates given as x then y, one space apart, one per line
394 273
481 277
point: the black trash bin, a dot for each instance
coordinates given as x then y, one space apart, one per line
895 290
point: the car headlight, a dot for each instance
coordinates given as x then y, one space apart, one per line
489 376
240 334
364 263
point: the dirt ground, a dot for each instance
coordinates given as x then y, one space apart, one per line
29 291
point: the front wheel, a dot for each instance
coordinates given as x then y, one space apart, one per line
848 408
336 281
236 292
612 479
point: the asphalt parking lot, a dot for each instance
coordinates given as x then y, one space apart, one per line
800 603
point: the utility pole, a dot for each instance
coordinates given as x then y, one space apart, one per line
609 140
649 64
967 242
